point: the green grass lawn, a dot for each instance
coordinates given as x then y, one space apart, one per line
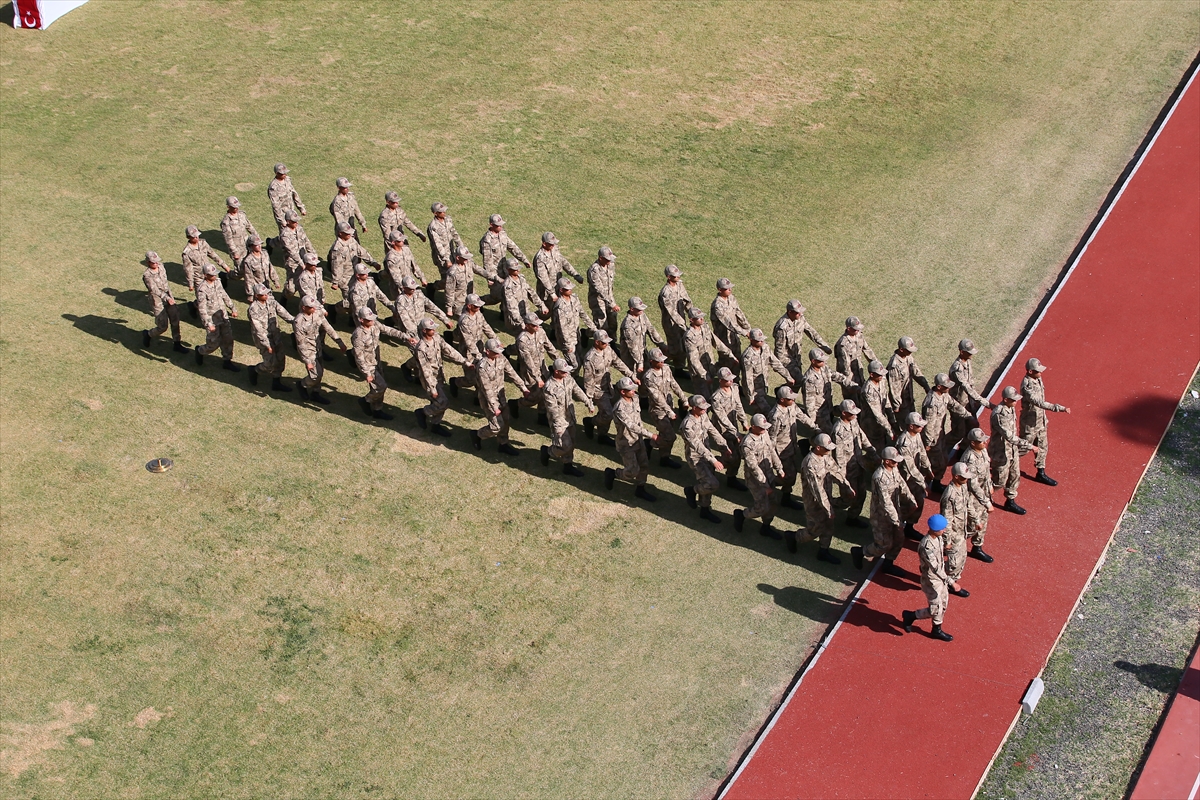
309 605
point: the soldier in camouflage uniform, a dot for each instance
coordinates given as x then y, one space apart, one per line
852 351
162 303
596 372
533 347
490 372
549 265
256 268
431 350
632 439
600 277
903 372
1006 449
957 507
496 244
457 283
756 360
873 399
729 322
790 430
1033 416
890 500
344 209
816 387
763 472
412 306
365 293
215 309
933 580
283 197
393 219
698 343
518 296
789 334
674 302
699 436
636 328
196 255
343 255
310 328
819 473
236 228
979 470
444 241
568 316
730 419
964 391
365 341
560 392
939 411
264 315
296 245
661 387
309 282
914 466
472 334
399 262
856 457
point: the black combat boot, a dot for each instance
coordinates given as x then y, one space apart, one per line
734 483
789 539
229 365
544 455
589 427
938 633
422 422
476 441
689 494
316 396
1042 477
1011 505
766 530
514 409
739 519
977 552
909 618
179 347
573 470
383 415
610 477
707 514
823 554
856 553
667 461
910 532
441 429
277 385
199 357
889 568
605 439
252 372
644 493
145 338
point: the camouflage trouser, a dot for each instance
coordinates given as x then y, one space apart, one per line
819 525
936 594
376 390
734 462
315 372
956 553
858 475
888 538
666 435
759 401
497 419
917 487
604 411
1037 435
222 337
291 272
272 364
789 461
978 515
635 465
1007 475
603 317
168 316
437 405
766 501
675 350
939 458
706 481
562 444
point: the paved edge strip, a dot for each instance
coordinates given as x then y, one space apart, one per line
1036 318
1192 664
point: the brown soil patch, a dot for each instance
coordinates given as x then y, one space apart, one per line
25 745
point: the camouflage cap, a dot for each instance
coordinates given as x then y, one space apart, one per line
725 374
757 335
906 343
475 300
343 183
977 435
408 283
759 421
311 259
817 354
967 346
391 197
960 470
606 254
795 306
344 229
463 253
494 345
672 271
657 355
290 216
496 219
1033 365
626 385
877 368
724 283
849 407
366 313
823 441
560 365
232 202
890 454
636 303
510 264
261 290
785 392
942 379
428 325
308 301
854 323
549 238
533 319
397 236
254 241
601 337
1011 393
281 169
695 313
210 269
360 269
698 401
192 232
564 285
914 418
153 257
438 208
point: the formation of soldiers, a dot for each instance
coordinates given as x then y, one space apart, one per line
621 367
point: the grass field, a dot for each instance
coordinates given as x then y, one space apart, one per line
309 605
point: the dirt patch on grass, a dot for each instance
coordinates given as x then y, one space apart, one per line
583 516
409 446
26 745
147 717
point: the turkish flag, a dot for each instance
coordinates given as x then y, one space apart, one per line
38 14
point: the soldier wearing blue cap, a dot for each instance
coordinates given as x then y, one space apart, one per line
934 581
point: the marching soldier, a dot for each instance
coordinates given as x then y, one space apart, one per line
661 387
162 303
412 306
568 317
283 197
819 473
636 328
631 447
256 268
444 242
549 265
345 253
344 209
789 334
365 293
196 255
957 507
1033 416
518 297
730 419
914 466
964 391
431 350
817 389
215 309
852 351
729 322
889 499
790 430
457 283
903 372
979 473
533 347
264 315
873 398
763 472
310 283
296 245
393 219
472 334
674 302
600 277
560 393
365 341
236 228
597 370
756 360
940 411
490 373
855 457
496 243
934 580
310 328
699 435
1006 449
399 262
698 343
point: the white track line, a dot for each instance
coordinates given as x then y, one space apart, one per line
1195 788
991 390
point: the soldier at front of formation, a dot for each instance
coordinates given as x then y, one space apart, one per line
162 303
730 419
674 302
490 373
560 393
856 457
283 197
636 328
236 228
215 309
444 241
533 348
964 391
763 472
568 316
756 360
699 436
393 219
979 470
957 507
296 247
852 351
903 372
914 466
264 315
940 411
790 430
631 442
256 268
431 350
345 253
729 322
519 297
496 244
661 388
934 580
310 327
596 372
698 343
457 283
344 208
196 255
816 387
600 277
789 333
399 262
471 335
365 341
877 422
819 473
890 500
365 293
549 265
1033 416
1006 449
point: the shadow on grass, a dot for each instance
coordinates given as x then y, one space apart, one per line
1159 677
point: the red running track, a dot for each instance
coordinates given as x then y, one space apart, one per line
884 714
1173 767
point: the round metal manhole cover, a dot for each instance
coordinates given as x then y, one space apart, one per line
159 464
